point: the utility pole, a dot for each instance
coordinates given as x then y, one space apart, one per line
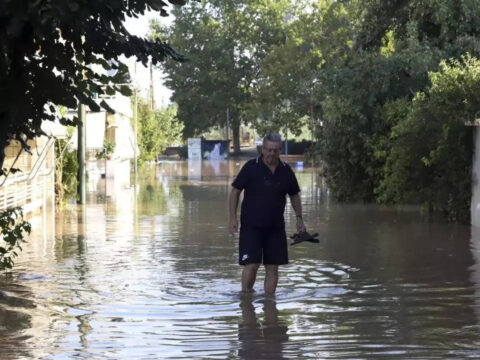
81 148
152 92
312 120
286 141
135 121
228 125
82 186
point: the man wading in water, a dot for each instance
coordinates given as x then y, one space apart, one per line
266 181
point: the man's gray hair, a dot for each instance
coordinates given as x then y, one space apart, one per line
274 137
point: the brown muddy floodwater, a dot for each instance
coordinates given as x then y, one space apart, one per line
152 274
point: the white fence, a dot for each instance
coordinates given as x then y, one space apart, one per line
33 187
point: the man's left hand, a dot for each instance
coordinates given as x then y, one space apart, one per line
300 225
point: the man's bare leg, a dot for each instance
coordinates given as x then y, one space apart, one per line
249 275
271 279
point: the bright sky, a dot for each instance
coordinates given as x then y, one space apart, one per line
140 26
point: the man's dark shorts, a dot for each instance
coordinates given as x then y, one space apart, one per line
263 245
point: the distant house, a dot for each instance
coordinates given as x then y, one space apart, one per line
115 128
33 186
119 128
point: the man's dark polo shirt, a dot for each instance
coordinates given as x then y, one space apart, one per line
265 193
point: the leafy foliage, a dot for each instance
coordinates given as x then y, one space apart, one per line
354 121
108 149
392 106
370 76
12 230
287 89
430 158
157 129
225 42
441 23
56 53
66 170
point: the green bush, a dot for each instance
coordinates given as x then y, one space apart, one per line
13 229
157 129
66 171
108 149
431 148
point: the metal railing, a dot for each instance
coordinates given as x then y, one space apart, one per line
31 175
28 189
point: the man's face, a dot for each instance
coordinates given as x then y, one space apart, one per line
271 152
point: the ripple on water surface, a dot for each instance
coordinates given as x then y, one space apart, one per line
152 274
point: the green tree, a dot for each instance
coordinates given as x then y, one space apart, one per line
232 38
47 52
354 124
442 23
367 100
288 80
157 129
431 152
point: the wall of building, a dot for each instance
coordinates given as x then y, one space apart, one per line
33 186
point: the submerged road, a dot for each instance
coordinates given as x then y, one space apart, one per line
151 273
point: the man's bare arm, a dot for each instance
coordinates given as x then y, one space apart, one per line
233 204
297 207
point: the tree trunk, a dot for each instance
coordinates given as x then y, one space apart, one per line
3 145
59 190
236 138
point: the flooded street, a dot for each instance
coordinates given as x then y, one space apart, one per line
153 274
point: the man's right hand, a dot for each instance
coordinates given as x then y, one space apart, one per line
233 226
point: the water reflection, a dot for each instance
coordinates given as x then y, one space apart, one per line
261 339
14 321
152 274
